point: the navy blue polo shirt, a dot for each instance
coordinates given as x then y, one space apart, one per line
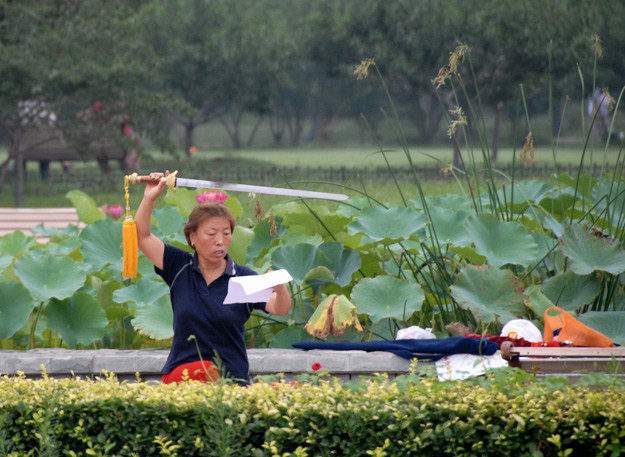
199 310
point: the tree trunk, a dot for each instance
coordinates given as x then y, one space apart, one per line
189 138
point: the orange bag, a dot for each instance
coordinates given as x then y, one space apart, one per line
572 330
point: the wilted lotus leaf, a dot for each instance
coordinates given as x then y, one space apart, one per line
332 317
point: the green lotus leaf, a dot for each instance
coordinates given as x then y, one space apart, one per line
49 276
299 260
62 246
469 254
88 211
537 301
608 323
169 224
451 202
15 307
102 244
501 242
321 222
16 242
332 317
609 197
589 252
142 292
345 261
386 297
387 226
5 260
287 336
241 239
559 203
449 226
80 319
570 291
263 238
56 233
523 194
492 295
584 183
155 320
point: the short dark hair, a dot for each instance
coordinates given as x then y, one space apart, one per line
205 211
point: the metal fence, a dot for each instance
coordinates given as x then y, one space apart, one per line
91 178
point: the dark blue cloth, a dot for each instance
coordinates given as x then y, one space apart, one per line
199 310
410 349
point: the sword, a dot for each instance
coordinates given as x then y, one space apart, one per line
172 180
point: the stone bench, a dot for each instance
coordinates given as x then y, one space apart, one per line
147 363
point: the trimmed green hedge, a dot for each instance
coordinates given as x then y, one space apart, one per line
510 413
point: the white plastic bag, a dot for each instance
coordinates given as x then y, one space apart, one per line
415 333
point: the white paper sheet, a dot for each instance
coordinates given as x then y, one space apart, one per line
255 288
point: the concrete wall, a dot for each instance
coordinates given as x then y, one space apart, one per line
147 363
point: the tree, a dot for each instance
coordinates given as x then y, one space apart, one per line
70 54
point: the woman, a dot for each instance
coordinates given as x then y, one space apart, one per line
198 285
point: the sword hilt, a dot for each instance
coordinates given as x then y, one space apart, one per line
170 179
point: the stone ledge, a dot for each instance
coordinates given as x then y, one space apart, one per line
147 363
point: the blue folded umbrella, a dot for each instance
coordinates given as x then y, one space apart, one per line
410 349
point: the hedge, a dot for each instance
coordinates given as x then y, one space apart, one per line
507 413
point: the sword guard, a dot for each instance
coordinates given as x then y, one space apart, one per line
170 180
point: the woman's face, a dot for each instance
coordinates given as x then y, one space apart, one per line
212 239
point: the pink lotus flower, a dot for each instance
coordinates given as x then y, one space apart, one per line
212 196
116 211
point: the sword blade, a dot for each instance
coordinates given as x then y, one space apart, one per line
202 184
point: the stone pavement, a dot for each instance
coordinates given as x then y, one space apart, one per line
147 363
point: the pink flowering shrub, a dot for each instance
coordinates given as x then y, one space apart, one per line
212 196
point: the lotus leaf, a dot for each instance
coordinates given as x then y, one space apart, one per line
491 294
559 203
15 307
241 239
289 335
299 260
537 301
80 319
386 297
155 320
88 211
525 194
332 317
590 252
345 261
142 292
451 202
387 226
608 323
102 244
170 224
55 233
16 242
583 183
570 291
449 226
5 260
263 238
49 276
501 242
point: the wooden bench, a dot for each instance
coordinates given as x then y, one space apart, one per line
25 219
572 362
46 143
